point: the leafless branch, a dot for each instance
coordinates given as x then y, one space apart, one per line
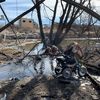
53 19
23 14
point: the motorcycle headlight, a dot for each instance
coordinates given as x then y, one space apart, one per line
58 70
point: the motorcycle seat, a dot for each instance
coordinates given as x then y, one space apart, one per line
71 65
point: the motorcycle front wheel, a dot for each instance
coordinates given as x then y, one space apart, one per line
67 73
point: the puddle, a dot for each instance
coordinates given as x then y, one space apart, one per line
26 68
20 70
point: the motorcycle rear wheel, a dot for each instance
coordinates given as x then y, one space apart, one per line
82 72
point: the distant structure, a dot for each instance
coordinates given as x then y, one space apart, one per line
27 25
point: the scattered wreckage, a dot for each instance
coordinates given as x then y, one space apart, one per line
65 71
64 68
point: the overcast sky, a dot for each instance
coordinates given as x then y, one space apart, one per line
15 7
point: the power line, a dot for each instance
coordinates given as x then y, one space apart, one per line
11 28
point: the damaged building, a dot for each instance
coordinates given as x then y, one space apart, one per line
27 25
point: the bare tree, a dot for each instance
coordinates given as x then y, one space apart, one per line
71 12
38 8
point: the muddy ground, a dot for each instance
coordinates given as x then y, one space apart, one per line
45 87
48 88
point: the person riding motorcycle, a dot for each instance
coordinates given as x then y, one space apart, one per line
69 63
72 52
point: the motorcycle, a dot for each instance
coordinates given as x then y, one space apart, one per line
67 71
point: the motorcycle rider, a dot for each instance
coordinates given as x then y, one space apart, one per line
72 53
68 66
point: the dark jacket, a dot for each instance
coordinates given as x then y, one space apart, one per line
69 56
